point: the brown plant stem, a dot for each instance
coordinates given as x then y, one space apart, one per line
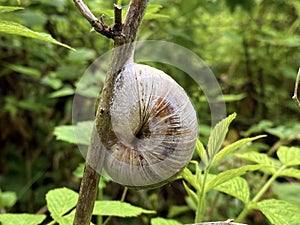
295 96
227 222
124 37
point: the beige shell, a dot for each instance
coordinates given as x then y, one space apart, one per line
154 128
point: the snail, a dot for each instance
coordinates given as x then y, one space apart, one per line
153 128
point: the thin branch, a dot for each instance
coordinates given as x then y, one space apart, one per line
98 24
227 222
118 17
295 96
90 180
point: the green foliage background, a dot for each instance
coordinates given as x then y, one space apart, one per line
251 46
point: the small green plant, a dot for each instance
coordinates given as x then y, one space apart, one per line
201 181
61 203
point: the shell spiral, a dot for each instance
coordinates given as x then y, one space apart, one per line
154 128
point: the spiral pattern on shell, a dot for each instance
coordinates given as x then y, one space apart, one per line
154 128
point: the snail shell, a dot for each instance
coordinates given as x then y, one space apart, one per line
154 128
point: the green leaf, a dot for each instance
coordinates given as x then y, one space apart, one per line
33 18
230 174
83 131
218 135
60 201
152 12
4 9
190 178
289 156
65 133
32 72
191 193
105 178
279 212
117 208
68 219
81 55
284 132
78 172
289 192
21 219
52 82
17 29
65 91
237 187
176 210
270 164
258 127
232 97
233 147
290 172
202 153
7 199
162 221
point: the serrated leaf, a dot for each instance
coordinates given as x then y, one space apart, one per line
279 212
190 178
191 193
202 153
18 29
60 201
271 165
233 147
78 134
4 9
21 219
162 221
117 208
289 156
290 172
218 135
237 187
68 219
230 174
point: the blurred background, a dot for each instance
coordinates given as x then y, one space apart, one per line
252 47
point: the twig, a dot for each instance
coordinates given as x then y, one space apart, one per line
118 18
295 96
124 37
227 222
98 24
